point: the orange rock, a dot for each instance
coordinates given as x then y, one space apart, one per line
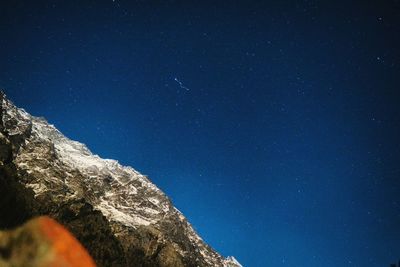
42 242
67 250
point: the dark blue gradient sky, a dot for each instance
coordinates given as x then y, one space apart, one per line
285 149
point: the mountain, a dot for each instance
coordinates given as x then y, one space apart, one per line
118 214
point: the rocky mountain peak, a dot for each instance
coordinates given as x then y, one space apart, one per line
121 217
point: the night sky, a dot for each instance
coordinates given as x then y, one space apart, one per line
273 126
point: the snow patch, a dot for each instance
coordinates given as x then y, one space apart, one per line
231 262
111 212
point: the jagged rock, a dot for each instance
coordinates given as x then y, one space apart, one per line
5 149
42 242
117 213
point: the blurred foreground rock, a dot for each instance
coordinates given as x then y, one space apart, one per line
42 242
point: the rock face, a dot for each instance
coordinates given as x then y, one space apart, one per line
116 212
42 242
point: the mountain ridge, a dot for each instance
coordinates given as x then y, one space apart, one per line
133 219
